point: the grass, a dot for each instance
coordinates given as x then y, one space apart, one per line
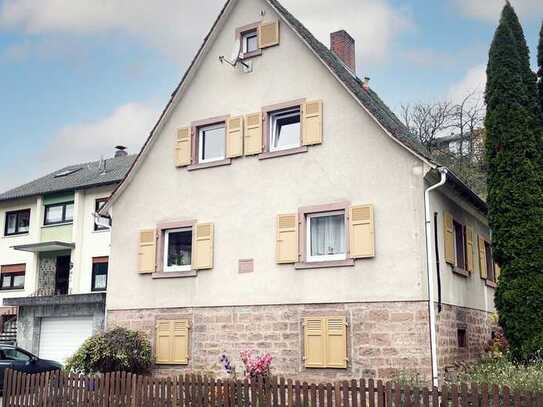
502 372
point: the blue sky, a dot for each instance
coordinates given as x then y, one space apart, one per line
78 77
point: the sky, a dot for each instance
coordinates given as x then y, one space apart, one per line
78 77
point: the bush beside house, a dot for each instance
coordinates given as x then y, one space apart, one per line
116 350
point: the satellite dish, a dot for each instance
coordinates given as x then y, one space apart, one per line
235 58
236 49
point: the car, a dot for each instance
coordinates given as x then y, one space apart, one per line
13 357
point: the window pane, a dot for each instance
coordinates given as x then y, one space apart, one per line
489 262
179 248
285 129
250 42
459 245
24 222
14 354
11 223
69 212
212 142
327 235
53 214
19 281
100 281
6 281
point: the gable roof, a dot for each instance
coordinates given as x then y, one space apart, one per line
77 176
368 99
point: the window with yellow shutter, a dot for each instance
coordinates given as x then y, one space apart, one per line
489 269
325 342
172 342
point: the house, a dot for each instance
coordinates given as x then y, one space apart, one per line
54 258
468 145
279 205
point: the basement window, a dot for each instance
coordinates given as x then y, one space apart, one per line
462 339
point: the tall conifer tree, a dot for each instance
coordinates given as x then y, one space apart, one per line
515 187
540 64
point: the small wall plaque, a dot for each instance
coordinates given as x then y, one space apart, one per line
246 265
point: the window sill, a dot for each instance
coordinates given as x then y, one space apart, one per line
17 234
179 274
251 54
491 284
281 153
324 264
52 225
219 163
101 230
460 272
11 289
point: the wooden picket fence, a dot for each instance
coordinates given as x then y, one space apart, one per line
56 389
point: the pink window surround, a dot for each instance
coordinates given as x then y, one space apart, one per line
195 143
246 29
266 110
161 228
302 213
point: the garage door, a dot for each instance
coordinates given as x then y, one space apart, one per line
61 337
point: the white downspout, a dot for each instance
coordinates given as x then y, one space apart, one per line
431 275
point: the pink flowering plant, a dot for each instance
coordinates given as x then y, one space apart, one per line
255 365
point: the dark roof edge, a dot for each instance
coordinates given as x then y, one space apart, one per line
59 191
459 186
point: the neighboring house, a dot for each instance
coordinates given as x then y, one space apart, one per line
279 206
54 258
462 145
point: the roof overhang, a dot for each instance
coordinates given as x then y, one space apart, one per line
44 247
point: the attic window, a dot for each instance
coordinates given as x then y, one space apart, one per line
66 172
249 41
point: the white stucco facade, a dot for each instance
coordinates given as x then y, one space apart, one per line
356 162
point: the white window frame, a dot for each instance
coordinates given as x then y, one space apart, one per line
201 130
244 43
273 120
174 269
326 257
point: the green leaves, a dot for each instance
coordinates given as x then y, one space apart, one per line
116 350
515 185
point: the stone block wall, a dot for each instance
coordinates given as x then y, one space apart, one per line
382 338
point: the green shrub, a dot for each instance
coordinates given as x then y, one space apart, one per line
116 350
502 372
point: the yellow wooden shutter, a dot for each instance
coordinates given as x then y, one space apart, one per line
180 342
268 34
315 342
469 248
448 230
234 136
287 238
163 348
312 123
361 231
482 257
203 247
147 251
336 342
252 139
183 147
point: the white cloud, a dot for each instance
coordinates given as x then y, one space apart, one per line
168 25
474 81
374 24
128 125
177 27
489 10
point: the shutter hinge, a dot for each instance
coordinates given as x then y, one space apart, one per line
304 358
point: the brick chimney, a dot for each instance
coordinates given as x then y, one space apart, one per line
342 44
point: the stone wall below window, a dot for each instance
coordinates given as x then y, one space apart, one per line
382 338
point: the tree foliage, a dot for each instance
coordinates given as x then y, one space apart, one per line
540 65
116 350
515 187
